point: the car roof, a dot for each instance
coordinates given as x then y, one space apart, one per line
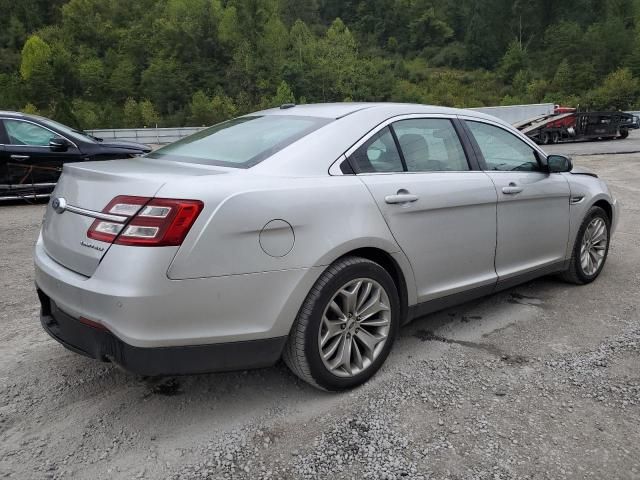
6 113
340 110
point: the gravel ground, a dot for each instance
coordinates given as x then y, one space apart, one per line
538 382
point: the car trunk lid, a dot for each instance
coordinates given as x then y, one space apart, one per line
84 190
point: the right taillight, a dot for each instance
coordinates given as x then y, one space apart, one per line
151 222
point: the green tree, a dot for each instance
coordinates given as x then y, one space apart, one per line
132 114
36 58
283 95
201 109
149 114
619 91
514 60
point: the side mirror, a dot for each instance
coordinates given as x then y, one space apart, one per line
559 164
58 144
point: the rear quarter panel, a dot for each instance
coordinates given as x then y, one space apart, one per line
330 216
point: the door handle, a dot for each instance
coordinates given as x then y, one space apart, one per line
19 158
400 198
512 189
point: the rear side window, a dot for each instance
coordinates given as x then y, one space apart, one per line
430 145
378 154
502 150
242 142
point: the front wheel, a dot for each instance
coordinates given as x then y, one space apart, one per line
624 133
346 326
590 249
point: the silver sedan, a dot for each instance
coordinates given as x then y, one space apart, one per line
309 233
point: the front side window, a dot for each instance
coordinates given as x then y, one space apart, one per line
241 142
68 131
377 154
25 133
430 145
503 151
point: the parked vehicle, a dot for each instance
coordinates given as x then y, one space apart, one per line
569 125
33 150
310 233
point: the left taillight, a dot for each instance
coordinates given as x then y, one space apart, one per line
151 222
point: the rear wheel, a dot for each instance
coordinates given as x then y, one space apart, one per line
624 133
590 249
346 326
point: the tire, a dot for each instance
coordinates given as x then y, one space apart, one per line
577 273
303 350
544 138
624 133
555 137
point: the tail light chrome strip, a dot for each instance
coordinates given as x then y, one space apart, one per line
97 215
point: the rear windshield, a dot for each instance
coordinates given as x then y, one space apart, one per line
242 142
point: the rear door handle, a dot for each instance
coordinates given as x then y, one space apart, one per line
512 189
400 198
19 158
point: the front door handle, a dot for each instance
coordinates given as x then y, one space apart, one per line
19 158
512 189
400 198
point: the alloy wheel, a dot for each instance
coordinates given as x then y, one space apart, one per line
354 327
594 246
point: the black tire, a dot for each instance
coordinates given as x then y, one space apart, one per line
302 352
555 137
624 133
575 273
545 138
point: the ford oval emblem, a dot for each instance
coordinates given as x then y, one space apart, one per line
59 204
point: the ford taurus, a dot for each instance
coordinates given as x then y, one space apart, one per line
309 233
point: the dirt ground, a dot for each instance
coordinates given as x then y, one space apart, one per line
538 382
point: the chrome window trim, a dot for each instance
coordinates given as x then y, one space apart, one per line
334 169
37 125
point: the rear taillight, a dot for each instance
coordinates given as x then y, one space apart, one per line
151 222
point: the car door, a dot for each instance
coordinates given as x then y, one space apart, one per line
31 159
533 205
441 212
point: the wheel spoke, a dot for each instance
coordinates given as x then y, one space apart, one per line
333 328
357 355
373 306
375 322
351 297
364 295
368 340
343 358
335 308
328 353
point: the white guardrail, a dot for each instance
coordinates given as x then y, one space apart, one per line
162 136
150 136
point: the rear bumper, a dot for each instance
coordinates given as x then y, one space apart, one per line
130 295
103 345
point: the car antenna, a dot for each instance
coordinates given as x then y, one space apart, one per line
285 106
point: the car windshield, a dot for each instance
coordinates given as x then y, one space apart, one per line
242 142
68 132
